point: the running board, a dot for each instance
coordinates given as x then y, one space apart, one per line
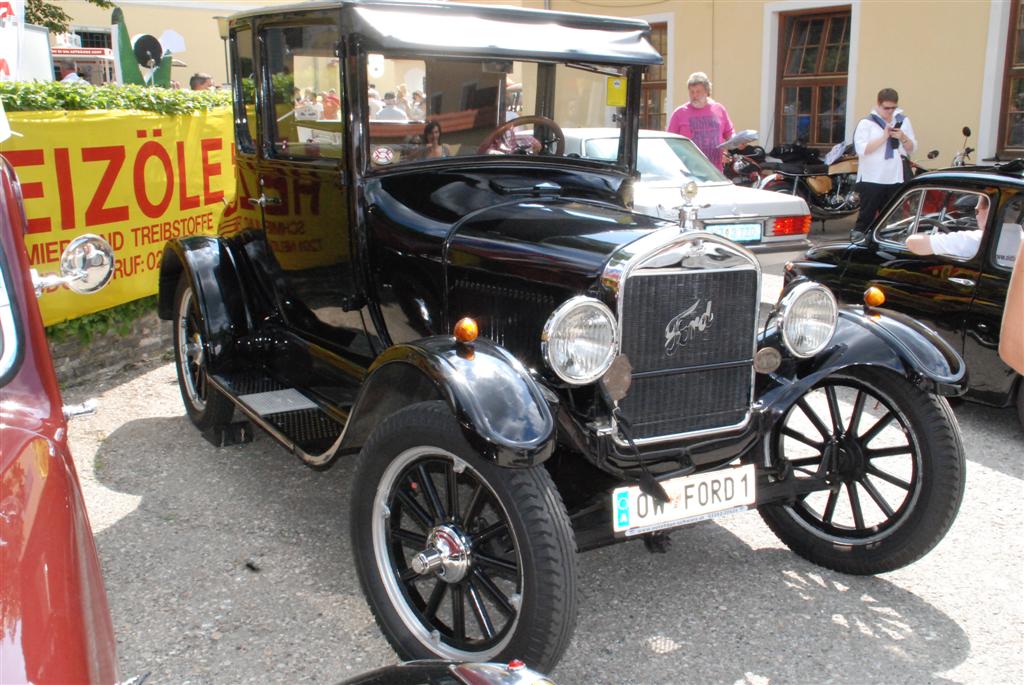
293 419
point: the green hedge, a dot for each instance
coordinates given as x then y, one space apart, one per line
36 96
119 319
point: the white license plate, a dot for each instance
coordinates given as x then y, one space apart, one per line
740 233
693 498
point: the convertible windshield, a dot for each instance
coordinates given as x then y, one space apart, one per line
422 109
675 160
8 330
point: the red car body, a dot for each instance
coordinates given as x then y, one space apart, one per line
55 624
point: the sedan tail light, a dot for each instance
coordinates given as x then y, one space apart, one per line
792 225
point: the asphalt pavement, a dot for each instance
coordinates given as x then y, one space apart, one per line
233 565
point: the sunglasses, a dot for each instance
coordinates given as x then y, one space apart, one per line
889 109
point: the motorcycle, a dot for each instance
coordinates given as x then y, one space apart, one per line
961 158
742 158
918 169
828 188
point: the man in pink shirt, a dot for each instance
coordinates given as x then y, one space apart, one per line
702 120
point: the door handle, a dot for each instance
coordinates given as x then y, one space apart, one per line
263 200
966 282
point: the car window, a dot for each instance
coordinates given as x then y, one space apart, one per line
421 109
1009 236
899 223
8 329
306 121
946 214
950 217
244 87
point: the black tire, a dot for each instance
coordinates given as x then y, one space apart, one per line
514 593
896 444
206 406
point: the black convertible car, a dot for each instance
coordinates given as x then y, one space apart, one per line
525 366
960 296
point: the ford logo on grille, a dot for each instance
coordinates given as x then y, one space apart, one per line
683 328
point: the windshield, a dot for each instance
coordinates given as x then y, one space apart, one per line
675 160
8 329
434 108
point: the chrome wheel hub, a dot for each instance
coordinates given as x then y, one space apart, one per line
447 555
194 350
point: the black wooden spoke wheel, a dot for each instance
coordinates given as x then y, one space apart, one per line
206 406
890 464
459 558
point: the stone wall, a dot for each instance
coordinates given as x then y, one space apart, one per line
112 353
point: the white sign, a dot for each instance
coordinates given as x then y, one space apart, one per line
12 21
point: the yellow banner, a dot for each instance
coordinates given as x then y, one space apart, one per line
136 178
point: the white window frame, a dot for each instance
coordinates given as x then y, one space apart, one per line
992 81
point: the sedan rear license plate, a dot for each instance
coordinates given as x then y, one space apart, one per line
740 233
693 498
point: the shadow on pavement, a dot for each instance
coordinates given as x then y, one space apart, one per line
713 610
236 567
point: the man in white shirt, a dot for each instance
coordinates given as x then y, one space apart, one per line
881 139
373 102
961 244
391 111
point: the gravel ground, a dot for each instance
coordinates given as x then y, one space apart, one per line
233 565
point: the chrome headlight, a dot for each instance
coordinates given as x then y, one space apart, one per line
579 340
807 318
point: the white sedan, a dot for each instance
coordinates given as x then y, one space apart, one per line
761 220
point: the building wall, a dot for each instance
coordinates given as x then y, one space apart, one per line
938 55
945 58
194 20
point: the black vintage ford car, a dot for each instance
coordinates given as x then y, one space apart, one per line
415 272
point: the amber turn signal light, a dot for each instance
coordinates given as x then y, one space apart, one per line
466 330
874 297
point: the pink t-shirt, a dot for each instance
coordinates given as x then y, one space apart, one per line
707 127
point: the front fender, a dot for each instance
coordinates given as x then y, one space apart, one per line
501 408
210 268
878 339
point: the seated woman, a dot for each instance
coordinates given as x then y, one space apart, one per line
432 141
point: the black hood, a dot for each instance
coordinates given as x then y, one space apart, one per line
556 224
557 241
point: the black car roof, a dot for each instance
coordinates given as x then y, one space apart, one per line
446 28
1006 173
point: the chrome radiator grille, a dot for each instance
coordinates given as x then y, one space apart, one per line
689 337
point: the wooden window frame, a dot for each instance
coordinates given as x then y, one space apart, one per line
816 81
657 85
1011 73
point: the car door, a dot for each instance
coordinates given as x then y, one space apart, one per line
302 189
56 624
935 289
992 381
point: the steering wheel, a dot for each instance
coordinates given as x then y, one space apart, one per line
504 140
931 226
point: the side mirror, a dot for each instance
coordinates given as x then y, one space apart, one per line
966 131
933 154
86 266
